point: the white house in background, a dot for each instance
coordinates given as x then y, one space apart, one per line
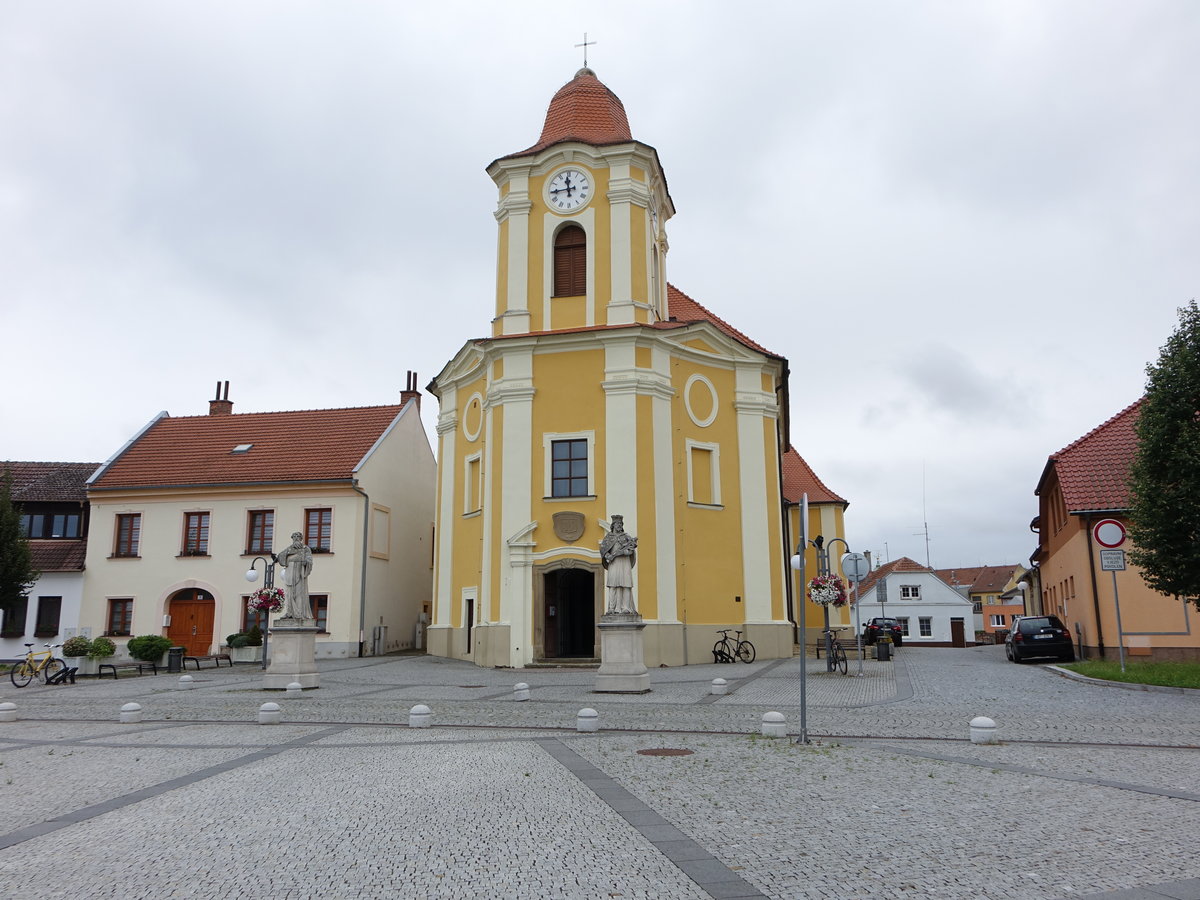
930 612
52 498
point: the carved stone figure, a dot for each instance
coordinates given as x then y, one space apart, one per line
618 555
297 562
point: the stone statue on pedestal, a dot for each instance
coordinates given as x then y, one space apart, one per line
297 562
618 555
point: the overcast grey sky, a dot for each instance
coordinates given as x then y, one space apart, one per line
968 225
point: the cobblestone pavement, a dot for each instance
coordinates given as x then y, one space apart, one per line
1093 791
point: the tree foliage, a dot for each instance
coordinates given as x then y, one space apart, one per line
1165 476
17 574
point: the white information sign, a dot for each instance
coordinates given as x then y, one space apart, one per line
1112 560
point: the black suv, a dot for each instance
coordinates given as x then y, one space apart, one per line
1033 636
882 625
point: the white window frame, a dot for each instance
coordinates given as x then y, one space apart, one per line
714 459
548 439
903 620
468 508
997 620
925 623
910 592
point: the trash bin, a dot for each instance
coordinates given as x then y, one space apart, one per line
175 659
883 650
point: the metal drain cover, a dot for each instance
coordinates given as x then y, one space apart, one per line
666 751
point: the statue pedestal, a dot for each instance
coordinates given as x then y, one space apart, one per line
622 665
292 648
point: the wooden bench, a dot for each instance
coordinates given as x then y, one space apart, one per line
215 659
126 665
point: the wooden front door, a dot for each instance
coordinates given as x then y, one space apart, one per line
191 613
958 637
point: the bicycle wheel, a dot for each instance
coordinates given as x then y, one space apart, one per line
745 651
839 658
719 654
21 673
51 668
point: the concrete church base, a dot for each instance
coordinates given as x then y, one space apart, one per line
291 649
622 660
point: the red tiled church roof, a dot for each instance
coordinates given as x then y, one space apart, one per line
684 309
799 479
583 110
309 445
1094 470
47 482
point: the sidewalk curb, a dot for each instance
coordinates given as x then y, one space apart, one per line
1124 685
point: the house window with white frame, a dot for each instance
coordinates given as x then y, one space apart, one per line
910 592
926 624
903 620
569 464
997 621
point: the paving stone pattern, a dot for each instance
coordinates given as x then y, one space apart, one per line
1094 791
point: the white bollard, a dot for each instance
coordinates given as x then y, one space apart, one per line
719 686
587 721
983 731
269 714
774 725
419 716
186 683
8 712
521 691
295 689
131 713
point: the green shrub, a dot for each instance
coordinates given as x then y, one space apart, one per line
229 638
76 646
255 637
238 641
148 647
100 648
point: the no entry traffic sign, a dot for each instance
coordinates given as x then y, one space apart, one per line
1109 533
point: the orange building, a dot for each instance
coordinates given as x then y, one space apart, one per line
1083 484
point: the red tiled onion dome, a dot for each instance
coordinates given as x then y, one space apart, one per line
583 110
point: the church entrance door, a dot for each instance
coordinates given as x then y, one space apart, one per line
570 605
191 613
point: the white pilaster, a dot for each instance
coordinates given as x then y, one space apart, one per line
664 490
753 407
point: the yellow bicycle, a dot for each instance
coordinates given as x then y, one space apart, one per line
41 664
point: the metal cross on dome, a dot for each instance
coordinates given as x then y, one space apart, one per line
586 43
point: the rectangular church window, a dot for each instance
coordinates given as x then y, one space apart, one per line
569 468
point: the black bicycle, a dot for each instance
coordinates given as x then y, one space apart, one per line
837 653
726 650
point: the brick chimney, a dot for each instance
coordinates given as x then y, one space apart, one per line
221 405
411 392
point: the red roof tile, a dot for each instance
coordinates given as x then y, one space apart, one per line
980 579
47 482
583 110
1094 470
800 479
903 564
683 308
58 556
309 445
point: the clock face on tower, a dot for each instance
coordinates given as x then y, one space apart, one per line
569 190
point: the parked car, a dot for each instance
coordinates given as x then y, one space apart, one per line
1039 636
882 625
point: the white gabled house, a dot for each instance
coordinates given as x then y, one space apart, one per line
931 613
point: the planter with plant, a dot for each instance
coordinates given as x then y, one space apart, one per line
83 654
245 646
148 648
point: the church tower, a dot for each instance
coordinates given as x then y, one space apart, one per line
602 390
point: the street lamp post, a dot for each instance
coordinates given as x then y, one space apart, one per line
268 582
823 569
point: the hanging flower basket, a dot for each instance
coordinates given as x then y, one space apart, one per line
266 600
827 590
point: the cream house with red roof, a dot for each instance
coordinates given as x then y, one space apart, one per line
1083 483
604 390
187 505
994 591
931 613
52 498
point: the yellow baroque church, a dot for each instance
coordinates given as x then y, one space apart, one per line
603 390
